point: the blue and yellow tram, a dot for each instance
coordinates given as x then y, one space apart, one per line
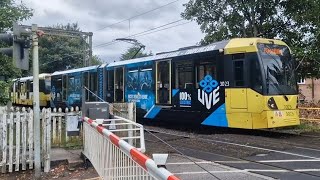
239 83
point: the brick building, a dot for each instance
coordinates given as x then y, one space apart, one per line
309 90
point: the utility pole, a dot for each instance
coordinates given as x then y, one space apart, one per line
90 48
36 102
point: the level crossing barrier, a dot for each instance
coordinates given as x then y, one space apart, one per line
113 157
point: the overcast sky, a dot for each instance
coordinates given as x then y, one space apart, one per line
93 15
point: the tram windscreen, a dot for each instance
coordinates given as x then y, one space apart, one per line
279 69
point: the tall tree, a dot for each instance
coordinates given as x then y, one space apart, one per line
132 51
10 12
294 21
304 35
236 18
58 53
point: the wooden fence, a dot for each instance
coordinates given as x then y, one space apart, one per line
60 136
16 134
17 141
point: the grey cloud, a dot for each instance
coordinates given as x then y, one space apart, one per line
95 14
114 11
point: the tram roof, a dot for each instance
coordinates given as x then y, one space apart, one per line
23 79
182 52
231 46
75 70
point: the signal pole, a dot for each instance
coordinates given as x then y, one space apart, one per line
36 102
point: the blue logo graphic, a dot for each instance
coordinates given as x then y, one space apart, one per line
209 95
208 84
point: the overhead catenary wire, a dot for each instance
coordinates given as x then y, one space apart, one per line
133 17
147 32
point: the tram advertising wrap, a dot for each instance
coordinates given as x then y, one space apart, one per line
140 84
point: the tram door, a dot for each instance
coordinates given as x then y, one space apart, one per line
163 82
239 92
118 85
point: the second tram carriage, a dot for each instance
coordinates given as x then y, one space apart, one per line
240 83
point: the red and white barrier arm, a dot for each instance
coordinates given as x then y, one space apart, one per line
144 161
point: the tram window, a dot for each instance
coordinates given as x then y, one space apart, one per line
64 87
86 83
22 87
31 86
110 85
71 86
118 86
145 78
256 79
238 73
93 82
42 86
184 71
93 86
110 81
163 82
133 79
205 69
86 79
27 89
47 83
58 86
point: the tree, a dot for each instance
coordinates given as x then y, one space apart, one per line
305 35
57 53
96 60
10 12
132 51
294 21
236 18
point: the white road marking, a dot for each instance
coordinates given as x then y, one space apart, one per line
204 162
205 172
232 162
186 163
307 170
267 170
290 160
307 148
247 170
265 149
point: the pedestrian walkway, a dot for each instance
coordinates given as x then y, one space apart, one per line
70 157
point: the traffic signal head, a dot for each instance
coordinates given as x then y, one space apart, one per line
20 42
6 39
21 45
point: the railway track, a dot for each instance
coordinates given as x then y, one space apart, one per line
272 162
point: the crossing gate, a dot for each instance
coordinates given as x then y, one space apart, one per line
113 157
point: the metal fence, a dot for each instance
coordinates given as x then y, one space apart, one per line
113 157
310 114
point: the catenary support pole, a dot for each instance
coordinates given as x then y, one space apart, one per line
36 102
90 49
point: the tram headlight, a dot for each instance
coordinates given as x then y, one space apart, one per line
272 104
